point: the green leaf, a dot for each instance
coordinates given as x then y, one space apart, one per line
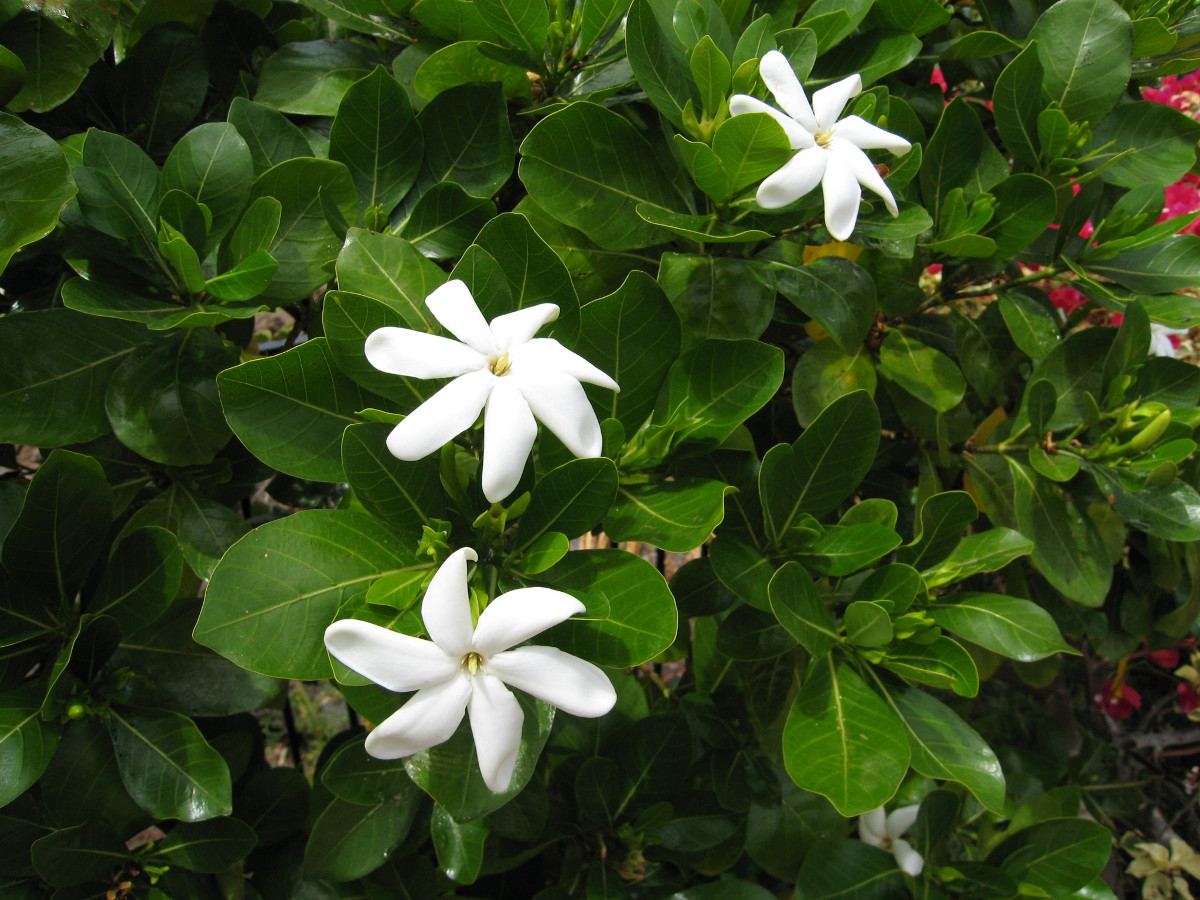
451 20
141 579
271 137
677 515
51 544
717 298
380 18
210 847
213 165
641 619
800 608
842 741
405 495
311 77
959 155
943 522
1074 368
941 663
742 569
57 46
523 23
205 528
82 782
1067 548
357 777
162 400
245 281
1085 48
598 17
265 622
658 60
590 168
840 868
459 845
703 229
275 803
822 468
389 270
1025 205
463 63
168 767
36 183
926 373
826 373
987 551
867 624
947 748
71 856
26 744
845 549
570 499
377 137
748 634
1032 326
1010 626
290 410
1170 265
1155 143
918 17
711 72
653 760
980 44
894 586
831 290
445 220
1016 104
1171 513
1056 855
749 147
350 840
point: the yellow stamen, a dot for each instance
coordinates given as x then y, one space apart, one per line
473 661
500 365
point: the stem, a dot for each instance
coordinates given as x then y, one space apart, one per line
1048 272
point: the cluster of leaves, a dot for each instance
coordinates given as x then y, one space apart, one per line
907 491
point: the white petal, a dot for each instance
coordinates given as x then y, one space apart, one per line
446 609
829 101
515 328
780 78
398 662
872 827
570 683
442 417
900 820
862 133
454 307
519 615
415 354
547 353
842 197
560 404
743 103
907 858
429 717
496 720
797 177
865 172
508 434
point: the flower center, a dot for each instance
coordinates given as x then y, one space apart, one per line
472 662
823 137
499 365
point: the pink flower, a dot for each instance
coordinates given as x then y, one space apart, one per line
936 77
1067 299
1189 699
1168 658
1118 700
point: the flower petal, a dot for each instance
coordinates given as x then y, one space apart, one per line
907 858
496 720
415 354
570 683
446 609
862 133
829 101
842 197
429 717
398 662
780 78
560 404
872 827
794 179
797 135
519 615
454 307
508 434
442 417
865 172
900 820
515 328
547 353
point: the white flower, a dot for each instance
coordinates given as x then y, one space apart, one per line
499 367
831 151
883 831
1160 339
465 667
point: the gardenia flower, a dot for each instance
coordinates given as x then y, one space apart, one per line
1160 339
500 369
466 666
883 831
831 151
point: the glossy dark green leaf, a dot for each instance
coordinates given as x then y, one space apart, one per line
1084 47
1031 325
168 767
1025 205
57 50
698 591
111 302
825 373
1011 626
1055 855
658 59
926 373
213 165
1171 513
459 845
445 220
1170 265
82 782
27 743
959 155
349 840
841 740
275 803
776 834
322 557
749 634
1156 144
867 624
204 527
81 853
943 521
380 18
463 63
141 579
388 269
245 281
654 759
587 151
798 606
705 229
36 184
597 789
742 568
523 23
290 410
834 291
406 495
51 544
353 775
823 467
941 663
271 136
570 499
845 549
1016 105
894 586
311 77
717 298
848 868
987 551
210 847
377 137
677 515
641 620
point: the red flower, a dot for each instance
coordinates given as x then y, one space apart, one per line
936 77
1189 699
1067 299
1168 658
1118 700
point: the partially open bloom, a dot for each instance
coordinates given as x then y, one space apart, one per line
1163 339
884 830
466 666
1118 699
831 151
499 369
